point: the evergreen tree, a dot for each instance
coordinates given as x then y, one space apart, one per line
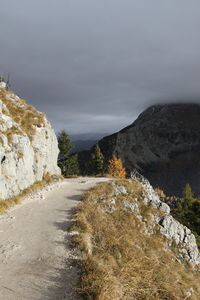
71 166
187 197
68 164
187 212
97 160
64 145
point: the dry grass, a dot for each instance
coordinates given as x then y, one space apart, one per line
10 132
1 140
160 193
121 262
6 204
25 115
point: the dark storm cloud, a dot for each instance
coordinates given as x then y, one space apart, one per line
94 65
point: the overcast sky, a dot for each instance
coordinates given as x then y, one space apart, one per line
94 65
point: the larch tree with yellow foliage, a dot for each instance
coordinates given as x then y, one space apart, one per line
115 167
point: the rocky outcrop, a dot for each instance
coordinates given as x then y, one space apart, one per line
163 144
175 232
154 218
28 145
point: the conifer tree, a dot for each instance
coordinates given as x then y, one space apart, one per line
68 163
97 160
64 145
115 167
187 197
71 166
187 212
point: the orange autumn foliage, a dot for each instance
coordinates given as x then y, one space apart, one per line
115 167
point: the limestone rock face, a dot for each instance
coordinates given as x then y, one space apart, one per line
163 144
161 221
28 145
168 226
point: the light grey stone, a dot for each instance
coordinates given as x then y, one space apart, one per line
120 189
149 195
131 206
164 207
24 161
2 84
182 237
168 226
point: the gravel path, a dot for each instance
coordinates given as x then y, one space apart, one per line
36 261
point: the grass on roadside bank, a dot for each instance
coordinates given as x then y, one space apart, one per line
6 204
120 262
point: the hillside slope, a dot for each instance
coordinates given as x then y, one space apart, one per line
163 144
132 247
28 145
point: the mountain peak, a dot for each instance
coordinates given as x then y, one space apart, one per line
163 144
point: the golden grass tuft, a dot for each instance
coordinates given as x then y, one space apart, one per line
25 115
119 261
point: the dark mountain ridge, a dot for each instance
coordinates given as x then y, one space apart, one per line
85 141
163 144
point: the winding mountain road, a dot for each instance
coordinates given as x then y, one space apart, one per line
36 261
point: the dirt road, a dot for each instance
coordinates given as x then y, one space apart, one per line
36 261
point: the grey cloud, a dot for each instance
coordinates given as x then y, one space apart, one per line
95 65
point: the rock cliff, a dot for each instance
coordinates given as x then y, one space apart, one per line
28 145
174 231
157 219
163 144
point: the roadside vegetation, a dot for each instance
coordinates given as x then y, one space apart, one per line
186 210
8 203
121 262
97 166
115 167
68 163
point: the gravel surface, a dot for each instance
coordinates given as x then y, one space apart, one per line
36 260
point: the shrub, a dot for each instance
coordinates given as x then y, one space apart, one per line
187 212
115 167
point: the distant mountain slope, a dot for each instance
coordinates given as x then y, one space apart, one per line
81 145
163 144
85 141
88 136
